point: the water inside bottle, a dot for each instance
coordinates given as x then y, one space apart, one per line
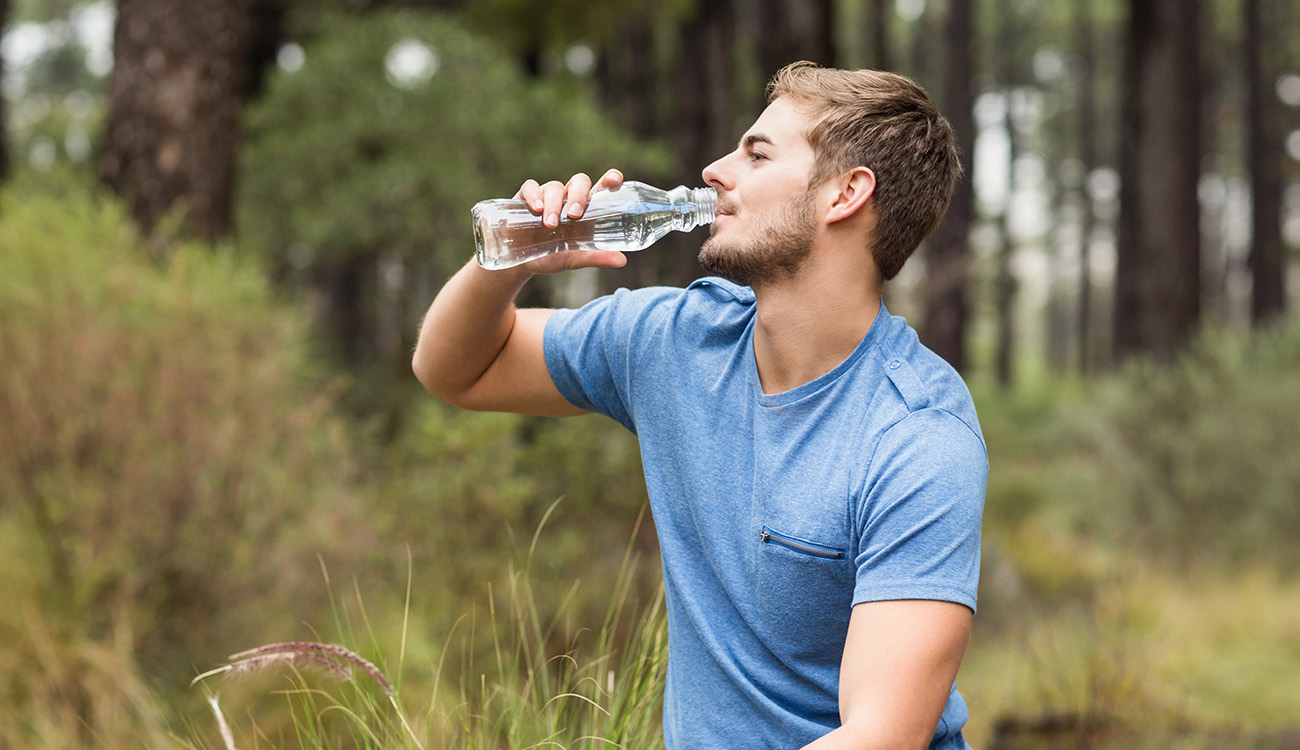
508 244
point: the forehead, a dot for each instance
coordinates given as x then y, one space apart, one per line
782 125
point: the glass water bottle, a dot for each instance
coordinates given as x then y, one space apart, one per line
630 217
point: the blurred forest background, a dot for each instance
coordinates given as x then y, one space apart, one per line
220 222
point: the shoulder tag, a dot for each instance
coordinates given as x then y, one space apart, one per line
724 290
909 386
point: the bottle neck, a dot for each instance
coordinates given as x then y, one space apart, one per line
694 206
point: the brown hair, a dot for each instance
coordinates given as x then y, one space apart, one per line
887 123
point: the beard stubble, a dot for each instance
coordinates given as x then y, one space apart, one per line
775 248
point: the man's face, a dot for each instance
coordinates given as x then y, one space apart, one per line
767 218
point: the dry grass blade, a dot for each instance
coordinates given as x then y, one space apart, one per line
336 660
227 736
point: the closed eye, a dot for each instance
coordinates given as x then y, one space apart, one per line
752 143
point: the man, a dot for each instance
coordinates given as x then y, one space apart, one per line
816 475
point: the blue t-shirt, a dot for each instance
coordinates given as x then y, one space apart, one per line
776 513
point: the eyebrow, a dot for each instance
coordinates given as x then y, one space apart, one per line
748 141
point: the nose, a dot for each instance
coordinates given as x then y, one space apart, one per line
716 175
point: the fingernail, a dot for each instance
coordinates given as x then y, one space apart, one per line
552 220
575 209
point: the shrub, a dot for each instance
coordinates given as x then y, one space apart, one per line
164 450
1204 455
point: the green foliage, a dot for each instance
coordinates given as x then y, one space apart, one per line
170 465
61 683
56 103
344 159
1139 550
162 455
170 469
1197 460
1205 454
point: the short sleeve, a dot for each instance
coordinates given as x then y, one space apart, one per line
919 520
590 351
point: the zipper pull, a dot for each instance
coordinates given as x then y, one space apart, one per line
764 537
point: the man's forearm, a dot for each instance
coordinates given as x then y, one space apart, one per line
465 329
475 349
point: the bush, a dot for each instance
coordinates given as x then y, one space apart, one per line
165 454
1196 460
1204 455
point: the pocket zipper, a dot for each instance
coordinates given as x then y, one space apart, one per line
798 545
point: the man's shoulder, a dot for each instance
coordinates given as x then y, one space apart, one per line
707 308
704 314
922 380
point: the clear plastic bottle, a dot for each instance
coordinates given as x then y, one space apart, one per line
630 217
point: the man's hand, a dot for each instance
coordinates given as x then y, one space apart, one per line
555 199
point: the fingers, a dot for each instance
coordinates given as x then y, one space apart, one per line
574 259
611 179
531 193
555 199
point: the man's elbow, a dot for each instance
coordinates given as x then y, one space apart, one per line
433 381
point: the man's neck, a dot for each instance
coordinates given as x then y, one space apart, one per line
808 325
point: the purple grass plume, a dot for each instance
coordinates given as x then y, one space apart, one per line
336 660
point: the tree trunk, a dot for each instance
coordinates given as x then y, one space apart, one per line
627 78
1009 30
793 30
4 110
1157 285
347 308
878 32
629 84
1088 160
1267 253
705 121
1005 283
946 305
267 32
180 68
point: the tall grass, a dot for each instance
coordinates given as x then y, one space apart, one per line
599 689
1212 660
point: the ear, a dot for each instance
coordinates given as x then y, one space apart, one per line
855 187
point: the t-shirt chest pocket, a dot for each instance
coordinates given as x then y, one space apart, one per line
803 584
